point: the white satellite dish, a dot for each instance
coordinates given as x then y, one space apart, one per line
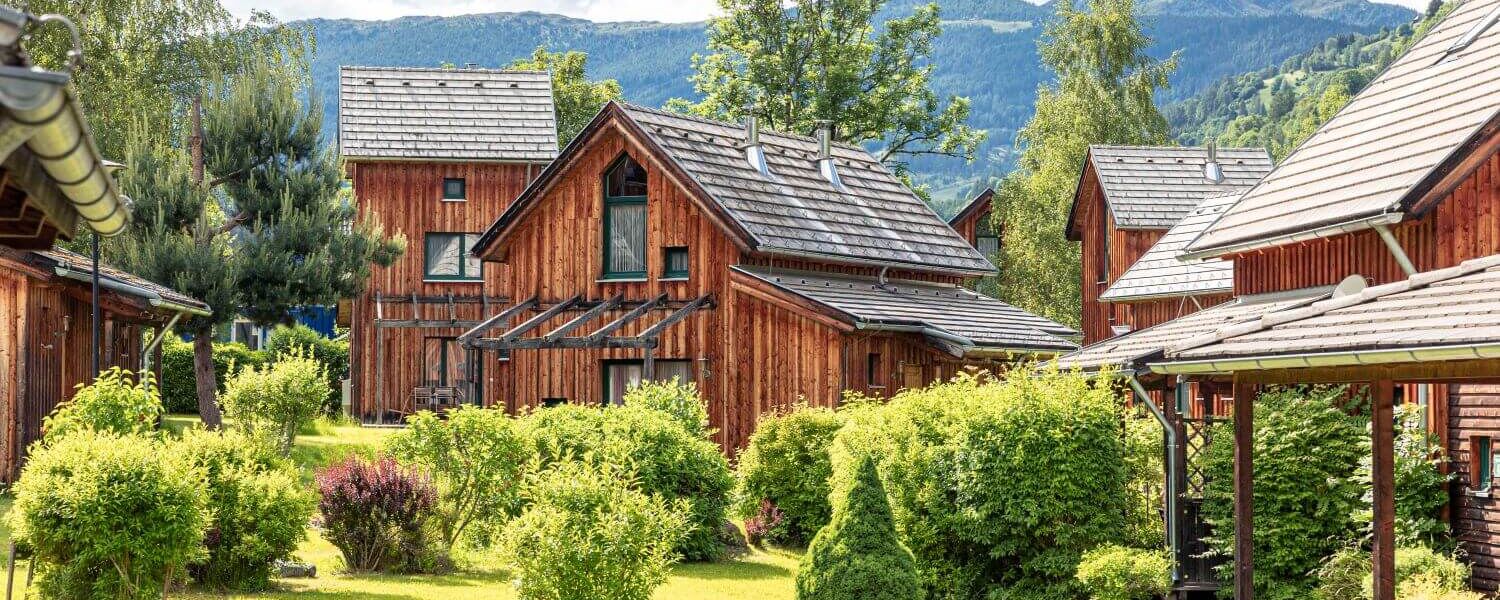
1351 285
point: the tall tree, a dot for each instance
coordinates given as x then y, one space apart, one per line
575 97
1104 93
265 228
828 60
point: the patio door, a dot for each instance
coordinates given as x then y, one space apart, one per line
621 375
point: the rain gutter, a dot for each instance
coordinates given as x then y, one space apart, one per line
1330 359
152 298
1395 247
1291 238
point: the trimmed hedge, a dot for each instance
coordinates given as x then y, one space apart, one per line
787 465
179 392
1119 573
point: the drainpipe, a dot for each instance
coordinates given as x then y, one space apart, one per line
156 341
1171 466
1395 247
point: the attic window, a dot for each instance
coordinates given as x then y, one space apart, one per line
1473 34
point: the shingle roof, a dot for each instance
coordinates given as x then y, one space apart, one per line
1447 307
874 219
980 202
446 114
1383 151
1159 273
1131 349
1149 187
57 257
985 321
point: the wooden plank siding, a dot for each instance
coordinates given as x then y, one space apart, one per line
1146 313
1474 410
1125 246
406 198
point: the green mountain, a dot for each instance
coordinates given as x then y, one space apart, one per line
987 51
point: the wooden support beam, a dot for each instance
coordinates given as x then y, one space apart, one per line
648 365
567 342
587 316
1382 440
635 313
1244 493
424 323
679 315
542 317
503 317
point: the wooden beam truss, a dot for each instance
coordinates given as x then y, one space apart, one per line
600 338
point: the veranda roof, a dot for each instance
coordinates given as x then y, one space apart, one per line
1161 274
1395 144
951 314
1133 350
1446 314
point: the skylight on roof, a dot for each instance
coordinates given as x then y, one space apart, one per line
1474 33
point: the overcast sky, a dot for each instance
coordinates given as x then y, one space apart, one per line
593 10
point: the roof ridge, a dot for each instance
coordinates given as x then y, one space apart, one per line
1202 148
489 70
733 125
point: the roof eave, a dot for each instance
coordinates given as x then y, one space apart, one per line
870 262
1357 224
1106 297
1347 358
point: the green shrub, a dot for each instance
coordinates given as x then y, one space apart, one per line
1347 574
179 392
1421 486
858 556
667 459
786 463
376 513
260 508
1429 588
588 533
680 400
1307 449
1144 472
998 485
276 400
1119 573
284 338
113 403
477 459
333 354
109 516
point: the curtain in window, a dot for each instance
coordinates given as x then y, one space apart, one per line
472 264
432 361
627 238
443 254
625 375
987 245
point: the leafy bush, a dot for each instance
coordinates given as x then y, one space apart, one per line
332 354
277 400
1119 573
858 556
680 400
260 508
1144 469
1429 588
768 524
179 392
1347 574
109 516
113 403
1001 484
587 533
787 465
477 459
1307 449
667 459
1421 486
376 514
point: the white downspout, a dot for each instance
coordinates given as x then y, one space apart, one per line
1171 465
1395 247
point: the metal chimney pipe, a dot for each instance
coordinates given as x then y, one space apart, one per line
825 139
752 128
1212 170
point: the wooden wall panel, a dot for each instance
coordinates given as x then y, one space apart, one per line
1474 410
1140 315
1468 220
13 339
776 357
1099 270
406 199
1328 261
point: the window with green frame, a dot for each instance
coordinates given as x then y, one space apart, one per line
625 220
446 257
675 263
1481 466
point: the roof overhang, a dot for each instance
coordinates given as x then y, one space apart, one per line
1069 230
1327 360
984 198
1123 299
1363 223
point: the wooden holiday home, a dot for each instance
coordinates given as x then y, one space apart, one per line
435 155
975 223
767 268
1126 200
1381 234
52 183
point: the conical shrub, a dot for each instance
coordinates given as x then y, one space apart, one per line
857 556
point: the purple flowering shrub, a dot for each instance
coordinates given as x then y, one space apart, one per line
768 525
376 513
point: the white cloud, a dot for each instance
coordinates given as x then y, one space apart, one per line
675 11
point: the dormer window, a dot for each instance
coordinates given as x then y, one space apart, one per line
624 229
455 189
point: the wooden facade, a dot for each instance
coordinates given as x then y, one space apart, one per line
1106 252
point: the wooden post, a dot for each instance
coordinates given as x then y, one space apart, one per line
1244 500
648 366
1382 440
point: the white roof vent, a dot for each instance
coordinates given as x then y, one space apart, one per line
755 154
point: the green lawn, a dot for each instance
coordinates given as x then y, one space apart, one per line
763 575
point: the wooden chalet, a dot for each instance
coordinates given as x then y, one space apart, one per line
1371 256
975 223
52 179
436 155
1126 200
766 268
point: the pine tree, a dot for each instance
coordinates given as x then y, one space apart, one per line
858 556
259 226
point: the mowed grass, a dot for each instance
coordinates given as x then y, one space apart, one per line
763 575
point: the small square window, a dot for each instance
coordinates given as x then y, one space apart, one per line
454 189
675 263
1482 463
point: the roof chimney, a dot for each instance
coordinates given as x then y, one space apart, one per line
755 154
826 166
1212 171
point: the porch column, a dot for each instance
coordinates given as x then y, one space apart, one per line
1382 440
1244 501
